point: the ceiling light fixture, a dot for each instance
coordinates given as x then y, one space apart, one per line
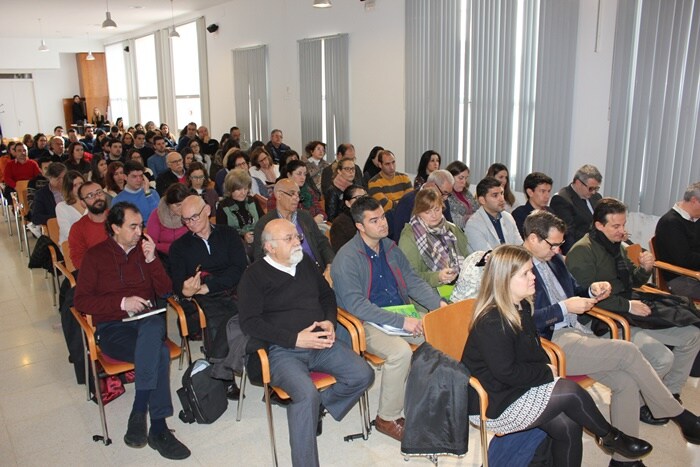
173 31
90 57
108 23
42 47
322 4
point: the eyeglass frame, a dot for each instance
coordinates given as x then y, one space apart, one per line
289 238
194 217
554 246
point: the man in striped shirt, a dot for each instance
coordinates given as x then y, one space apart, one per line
388 186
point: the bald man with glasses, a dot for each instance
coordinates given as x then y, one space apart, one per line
174 174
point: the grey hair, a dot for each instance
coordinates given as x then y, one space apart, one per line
440 177
692 191
266 238
587 172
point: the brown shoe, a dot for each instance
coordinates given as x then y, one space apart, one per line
393 428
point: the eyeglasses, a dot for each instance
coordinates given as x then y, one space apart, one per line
197 177
290 238
553 246
358 196
348 169
444 194
94 194
242 165
193 218
591 189
176 161
291 194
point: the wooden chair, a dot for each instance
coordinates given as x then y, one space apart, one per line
6 212
52 230
322 381
261 201
110 366
65 248
21 209
661 266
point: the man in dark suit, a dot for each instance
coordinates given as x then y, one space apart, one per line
537 187
574 204
618 364
174 174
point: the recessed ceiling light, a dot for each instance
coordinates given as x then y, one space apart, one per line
137 7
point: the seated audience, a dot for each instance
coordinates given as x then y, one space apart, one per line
599 256
434 247
342 178
174 174
309 197
275 147
343 227
287 305
198 181
429 163
76 159
505 355
136 155
315 161
329 174
165 224
263 167
115 180
491 225
574 203
121 276
98 171
19 168
372 165
71 209
39 149
537 187
46 198
238 209
388 186
678 242
461 202
500 173
137 191
198 155
370 272
89 230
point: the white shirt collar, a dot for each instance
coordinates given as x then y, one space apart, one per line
684 214
289 270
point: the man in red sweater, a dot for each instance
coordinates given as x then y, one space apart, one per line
121 276
21 168
90 229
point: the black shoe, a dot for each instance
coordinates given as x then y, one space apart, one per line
645 416
627 446
678 398
136 435
275 400
233 393
168 446
691 431
614 463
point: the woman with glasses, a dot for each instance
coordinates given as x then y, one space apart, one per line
343 176
343 227
71 209
435 247
263 167
238 209
164 225
504 353
198 181
198 155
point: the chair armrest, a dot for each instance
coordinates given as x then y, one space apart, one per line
483 397
264 365
180 314
556 356
87 330
612 324
601 314
677 269
359 327
64 270
202 316
352 331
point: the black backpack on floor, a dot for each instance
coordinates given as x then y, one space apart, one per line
203 398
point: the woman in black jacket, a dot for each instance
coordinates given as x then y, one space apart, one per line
504 353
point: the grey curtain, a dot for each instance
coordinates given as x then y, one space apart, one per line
337 86
250 91
310 92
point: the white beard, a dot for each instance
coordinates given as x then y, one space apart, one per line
296 256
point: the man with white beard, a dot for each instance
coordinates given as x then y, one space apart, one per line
285 302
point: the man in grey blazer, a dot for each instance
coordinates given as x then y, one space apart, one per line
574 204
491 225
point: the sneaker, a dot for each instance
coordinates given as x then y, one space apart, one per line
34 229
168 446
136 434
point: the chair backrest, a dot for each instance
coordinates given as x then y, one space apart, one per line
53 231
261 201
658 276
633 252
21 187
447 328
65 248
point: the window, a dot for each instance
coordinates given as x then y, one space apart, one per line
116 78
185 53
323 66
146 79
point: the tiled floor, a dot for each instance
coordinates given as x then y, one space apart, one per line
45 419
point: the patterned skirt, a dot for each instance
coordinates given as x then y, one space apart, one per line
522 413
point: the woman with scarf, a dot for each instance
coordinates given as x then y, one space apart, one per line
435 247
238 209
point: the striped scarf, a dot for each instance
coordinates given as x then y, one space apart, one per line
437 245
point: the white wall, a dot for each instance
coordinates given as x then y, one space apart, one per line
376 56
51 87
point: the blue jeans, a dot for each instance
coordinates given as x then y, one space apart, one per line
142 342
290 369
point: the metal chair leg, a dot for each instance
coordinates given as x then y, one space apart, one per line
484 444
98 395
268 407
239 408
86 356
26 240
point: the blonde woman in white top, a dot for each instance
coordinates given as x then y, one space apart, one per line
71 209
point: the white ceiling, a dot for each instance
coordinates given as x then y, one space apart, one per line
74 19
